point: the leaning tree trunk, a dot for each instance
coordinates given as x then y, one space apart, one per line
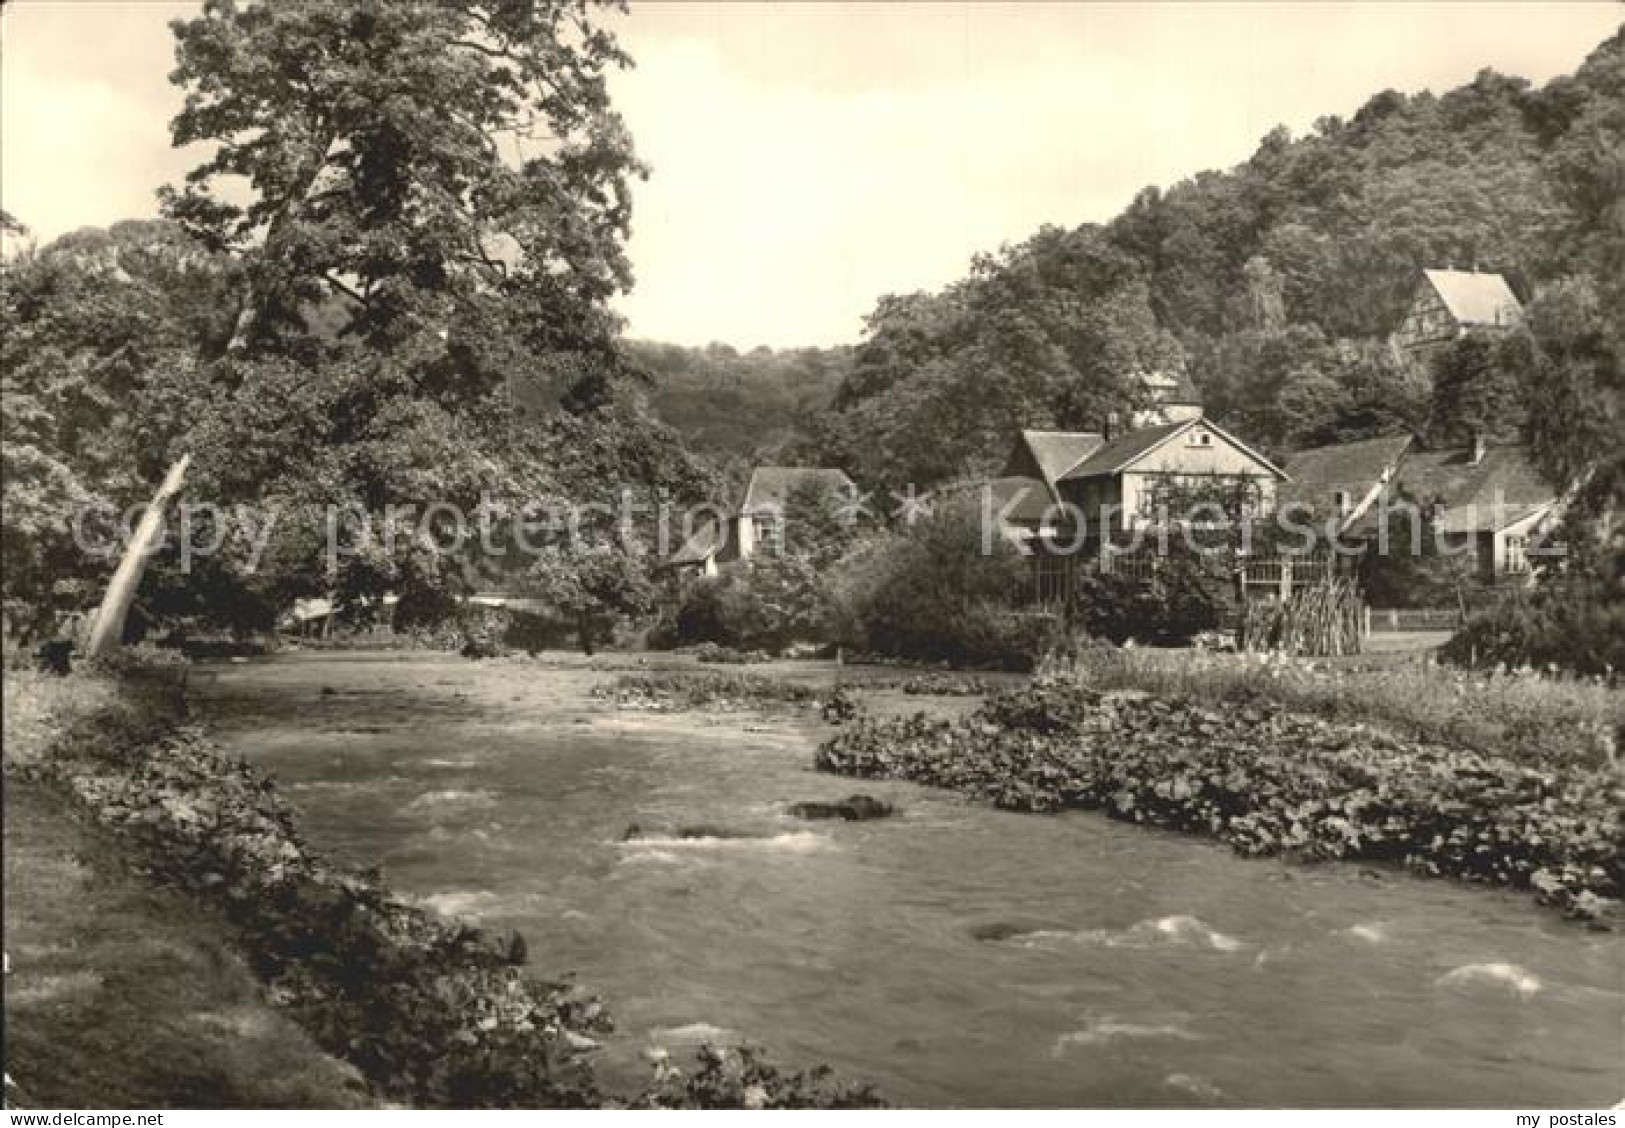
108 629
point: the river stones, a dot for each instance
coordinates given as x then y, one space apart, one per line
854 808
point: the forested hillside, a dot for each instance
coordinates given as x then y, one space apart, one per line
732 404
1275 283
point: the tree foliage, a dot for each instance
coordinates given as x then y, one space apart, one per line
1276 283
382 295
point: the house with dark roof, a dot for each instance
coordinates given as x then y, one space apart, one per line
1450 303
1341 482
1486 502
1051 479
758 524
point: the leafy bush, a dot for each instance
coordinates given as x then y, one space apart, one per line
1580 631
938 592
744 1078
1268 781
763 603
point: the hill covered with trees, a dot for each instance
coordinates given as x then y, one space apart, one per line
733 404
1275 283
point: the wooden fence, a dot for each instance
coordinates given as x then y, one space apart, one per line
1264 576
1390 619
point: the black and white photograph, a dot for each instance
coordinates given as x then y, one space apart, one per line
584 555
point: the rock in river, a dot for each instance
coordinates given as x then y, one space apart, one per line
854 808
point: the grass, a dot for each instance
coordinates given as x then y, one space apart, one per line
119 994
39 706
1529 718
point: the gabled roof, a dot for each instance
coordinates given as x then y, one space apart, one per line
1473 298
1498 490
1031 500
1056 452
770 486
1127 449
1320 474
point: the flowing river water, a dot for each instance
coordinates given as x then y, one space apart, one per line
954 954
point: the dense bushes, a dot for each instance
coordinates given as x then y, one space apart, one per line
934 591
763 603
1268 781
1173 606
940 590
1582 632
743 1078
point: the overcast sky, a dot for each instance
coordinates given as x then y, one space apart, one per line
810 157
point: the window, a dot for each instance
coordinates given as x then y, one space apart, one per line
1343 502
1516 559
1200 438
767 533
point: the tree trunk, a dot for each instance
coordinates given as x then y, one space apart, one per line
584 630
108 630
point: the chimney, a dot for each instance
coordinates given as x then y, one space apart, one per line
1110 430
1479 445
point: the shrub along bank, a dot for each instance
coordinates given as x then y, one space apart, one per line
431 1012
1268 781
678 690
120 994
1518 715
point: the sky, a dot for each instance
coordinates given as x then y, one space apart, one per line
809 158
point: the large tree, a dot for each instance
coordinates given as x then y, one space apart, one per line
437 194
414 156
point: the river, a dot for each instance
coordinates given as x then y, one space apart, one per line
953 955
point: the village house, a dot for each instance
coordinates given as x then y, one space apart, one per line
1112 480
1340 483
1450 303
758 525
1486 502
1050 477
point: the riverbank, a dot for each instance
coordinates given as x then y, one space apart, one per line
954 955
1267 780
119 994
428 1010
